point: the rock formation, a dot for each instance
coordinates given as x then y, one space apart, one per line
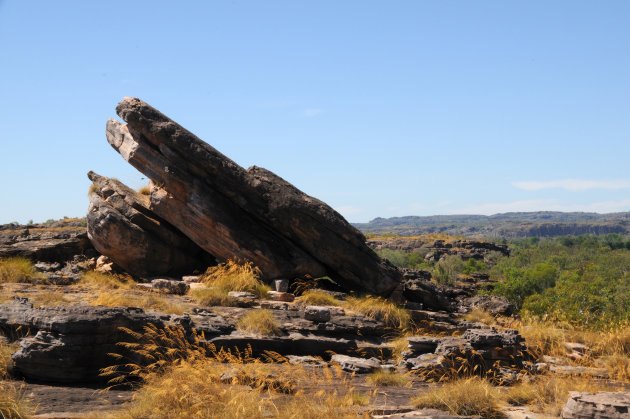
604 405
251 214
121 227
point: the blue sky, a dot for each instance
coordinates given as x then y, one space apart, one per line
379 108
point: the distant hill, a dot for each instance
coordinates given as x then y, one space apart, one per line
508 225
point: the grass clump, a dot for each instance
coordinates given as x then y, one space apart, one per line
50 298
481 316
391 379
146 302
317 298
212 297
13 402
184 376
549 393
465 396
106 281
17 269
382 310
145 190
234 276
260 322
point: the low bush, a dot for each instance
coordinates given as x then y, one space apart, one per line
446 270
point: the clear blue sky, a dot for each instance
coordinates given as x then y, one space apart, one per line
379 108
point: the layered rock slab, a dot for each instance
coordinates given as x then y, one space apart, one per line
122 227
236 213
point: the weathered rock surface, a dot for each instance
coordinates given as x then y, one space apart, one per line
53 242
603 405
251 214
122 227
70 344
354 364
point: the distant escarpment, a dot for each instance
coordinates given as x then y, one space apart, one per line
507 225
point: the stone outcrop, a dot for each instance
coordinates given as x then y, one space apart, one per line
122 227
252 214
603 405
54 242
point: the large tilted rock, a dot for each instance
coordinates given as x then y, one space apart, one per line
236 213
121 226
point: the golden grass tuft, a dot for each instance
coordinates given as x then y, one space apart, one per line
260 322
49 298
234 276
317 298
17 269
543 338
106 281
182 377
6 350
212 297
380 309
399 345
94 188
155 302
145 190
481 316
13 402
549 393
465 396
391 379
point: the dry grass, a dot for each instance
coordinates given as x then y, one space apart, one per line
384 378
13 402
101 280
182 377
212 297
399 345
380 309
145 190
465 396
155 302
260 322
317 298
49 298
6 350
549 393
481 316
18 269
234 276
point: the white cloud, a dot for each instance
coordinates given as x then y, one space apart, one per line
545 205
573 185
309 113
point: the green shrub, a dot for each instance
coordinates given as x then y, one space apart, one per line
447 269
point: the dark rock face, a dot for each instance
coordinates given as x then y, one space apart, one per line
603 405
235 213
71 344
121 227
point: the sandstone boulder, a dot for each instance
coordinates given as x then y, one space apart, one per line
235 213
122 227
603 405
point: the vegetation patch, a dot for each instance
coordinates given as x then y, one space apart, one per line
235 276
465 396
317 298
17 269
106 281
384 378
382 310
260 322
213 297
146 302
